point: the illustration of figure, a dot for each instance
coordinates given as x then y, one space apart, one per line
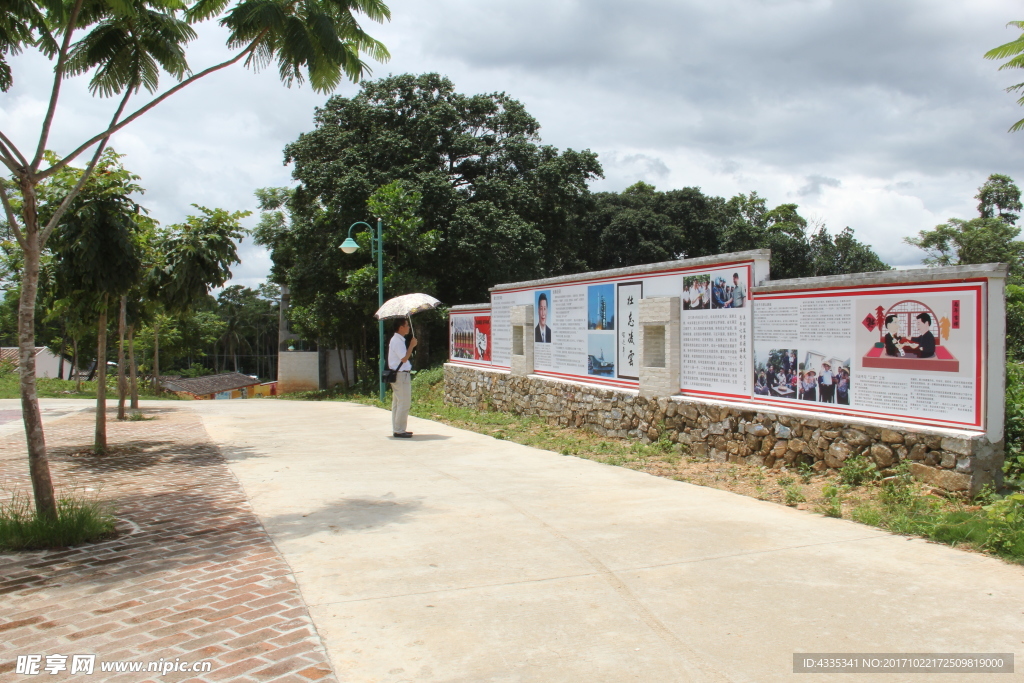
923 345
892 336
543 332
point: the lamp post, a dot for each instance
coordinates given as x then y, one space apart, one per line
349 246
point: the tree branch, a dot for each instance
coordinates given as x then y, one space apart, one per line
58 77
113 128
11 146
59 213
8 159
11 220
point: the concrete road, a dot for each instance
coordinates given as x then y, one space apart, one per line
458 557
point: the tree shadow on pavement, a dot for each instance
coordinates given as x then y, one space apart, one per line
346 515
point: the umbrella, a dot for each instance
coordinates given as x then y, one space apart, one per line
405 305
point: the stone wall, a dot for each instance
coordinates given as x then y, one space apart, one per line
740 433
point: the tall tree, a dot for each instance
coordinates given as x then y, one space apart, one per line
195 256
124 46
1014 50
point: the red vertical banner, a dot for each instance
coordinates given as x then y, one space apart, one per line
482 330
956 314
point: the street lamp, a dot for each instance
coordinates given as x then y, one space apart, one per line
349 246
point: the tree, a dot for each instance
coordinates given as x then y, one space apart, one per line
990 238
124 47
495 203
999 197
196 255
1015 51
97 257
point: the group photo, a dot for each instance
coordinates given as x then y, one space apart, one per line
697 292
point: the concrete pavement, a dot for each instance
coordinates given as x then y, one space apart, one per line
457 557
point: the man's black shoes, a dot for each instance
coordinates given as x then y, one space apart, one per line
403 435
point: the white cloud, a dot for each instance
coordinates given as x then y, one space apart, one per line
878 115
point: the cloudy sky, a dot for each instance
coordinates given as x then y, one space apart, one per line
878 115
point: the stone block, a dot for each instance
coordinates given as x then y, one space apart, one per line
942 479
958 446
882 455
757 430
782 431
889 436
947 460
856 438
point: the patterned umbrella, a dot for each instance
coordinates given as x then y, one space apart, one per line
405 305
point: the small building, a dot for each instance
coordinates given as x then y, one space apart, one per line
47 362
224 385
265 389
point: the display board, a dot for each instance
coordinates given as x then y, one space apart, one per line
587 329
906 352
469 336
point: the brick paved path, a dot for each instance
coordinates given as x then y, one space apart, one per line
193 575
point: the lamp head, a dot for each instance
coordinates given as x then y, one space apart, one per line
349 246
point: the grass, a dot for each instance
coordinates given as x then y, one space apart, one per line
78 521
887 499
48 387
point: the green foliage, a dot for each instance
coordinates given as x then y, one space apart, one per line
1014 425
1006 525
196 255
999 197
856 470
78 521
793 495
831 504
1014 50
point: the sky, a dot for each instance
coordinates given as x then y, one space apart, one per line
878 115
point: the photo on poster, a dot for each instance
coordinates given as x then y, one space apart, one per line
777 373
697 292
601 354
463 337
911 335
482 330
824 378
728 290
601 307
628 296
542 316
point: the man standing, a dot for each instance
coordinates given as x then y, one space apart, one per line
401 388
739 294
924 341
827 382
542 331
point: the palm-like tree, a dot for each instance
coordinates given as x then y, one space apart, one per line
125 46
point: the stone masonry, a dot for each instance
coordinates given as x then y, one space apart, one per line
741 433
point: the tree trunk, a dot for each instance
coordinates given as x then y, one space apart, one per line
74 365
122 380
156 358
100 444
60 362
38 465
132 368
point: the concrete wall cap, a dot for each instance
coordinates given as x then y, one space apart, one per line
640 270
885 277
468 307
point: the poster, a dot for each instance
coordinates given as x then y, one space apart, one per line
586 328
903 352
470 340
628 295
716 332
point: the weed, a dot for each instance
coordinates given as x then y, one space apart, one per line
785 481
806 471
856 470
793 494
78 521
831 505
138 416
1006 525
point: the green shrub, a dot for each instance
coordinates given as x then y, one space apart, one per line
832 503
78 521
793 494
1006 525
1014 429
856 470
